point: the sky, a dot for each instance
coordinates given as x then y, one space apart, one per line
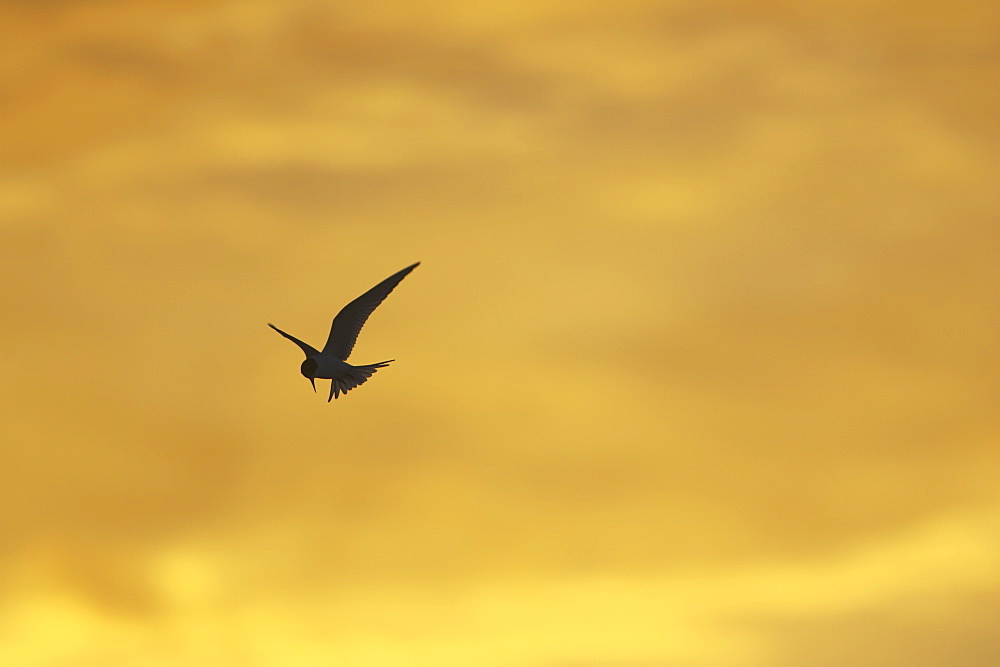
699 367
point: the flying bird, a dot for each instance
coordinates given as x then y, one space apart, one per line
331 363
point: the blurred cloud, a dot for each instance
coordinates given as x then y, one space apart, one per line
698 368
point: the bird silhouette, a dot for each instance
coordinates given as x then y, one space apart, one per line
331 363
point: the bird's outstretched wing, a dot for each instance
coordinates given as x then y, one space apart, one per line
306 347
348 322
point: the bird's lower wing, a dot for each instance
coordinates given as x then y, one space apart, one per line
309 350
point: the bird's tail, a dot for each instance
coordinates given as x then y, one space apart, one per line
357 375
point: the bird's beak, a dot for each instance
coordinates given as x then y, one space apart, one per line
312 381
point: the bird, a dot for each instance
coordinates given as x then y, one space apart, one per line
331 363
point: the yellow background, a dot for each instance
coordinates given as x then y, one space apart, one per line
700 367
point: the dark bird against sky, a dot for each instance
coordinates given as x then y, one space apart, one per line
331 363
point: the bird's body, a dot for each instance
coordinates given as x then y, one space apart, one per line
331 362
330 367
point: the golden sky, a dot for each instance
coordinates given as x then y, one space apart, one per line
700 367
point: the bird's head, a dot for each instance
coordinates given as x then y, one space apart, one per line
309 368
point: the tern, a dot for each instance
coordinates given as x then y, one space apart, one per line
331 363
